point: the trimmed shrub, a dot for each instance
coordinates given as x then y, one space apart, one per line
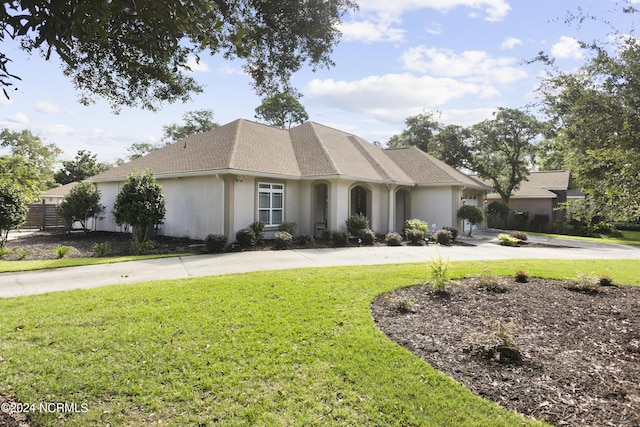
521 276
393 239
506 240
497 213
520 235
367 237
215 243
340 239
326 235
356 224
444 237
289 227
283 240
415 236
416 224
454 232
539 222
473 214
246 237
305 240
258 231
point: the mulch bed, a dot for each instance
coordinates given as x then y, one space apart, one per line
580 352
42 244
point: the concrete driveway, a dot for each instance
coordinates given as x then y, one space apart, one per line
483 247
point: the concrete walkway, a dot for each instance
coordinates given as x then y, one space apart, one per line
484 248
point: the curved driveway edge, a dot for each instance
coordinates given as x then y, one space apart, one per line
44 281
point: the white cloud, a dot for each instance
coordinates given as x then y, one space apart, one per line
435 29
375 29
392 97
197 66
510 43
47 107
495 10
567 48
472 65
18 118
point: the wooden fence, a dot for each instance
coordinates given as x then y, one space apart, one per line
43 216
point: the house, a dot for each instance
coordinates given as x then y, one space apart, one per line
540 195
220 181
54 196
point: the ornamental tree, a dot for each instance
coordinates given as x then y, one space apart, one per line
13 210
140 203
473 214
82 203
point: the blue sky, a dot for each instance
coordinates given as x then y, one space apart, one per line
464 58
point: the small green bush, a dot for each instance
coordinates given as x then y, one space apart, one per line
439 274
258 231
444 237
506 240
416 224
101 249
4 251
497 343
587 284
283 240
404 305
521 276
246 238
288 226
454 232
326 234
61 251
305 240
489 282
367 237
520 218
605 280
415 236
520 235
215 243
393 239
340 239
141 247
356 224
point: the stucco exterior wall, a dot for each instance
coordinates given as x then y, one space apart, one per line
436 205
194 206
108 192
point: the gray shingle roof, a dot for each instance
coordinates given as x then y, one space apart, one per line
308 150
540 184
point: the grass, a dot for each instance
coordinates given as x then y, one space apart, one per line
31 265
628 238
293 347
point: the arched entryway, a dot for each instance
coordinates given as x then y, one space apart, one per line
360 201
402 209
320 208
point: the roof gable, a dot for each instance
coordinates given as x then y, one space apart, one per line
308 150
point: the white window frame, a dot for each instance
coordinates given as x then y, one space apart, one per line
270 189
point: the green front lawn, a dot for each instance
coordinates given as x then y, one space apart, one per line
628 238
294 347
31 265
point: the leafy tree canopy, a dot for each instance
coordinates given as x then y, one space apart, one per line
596 113
194 122
13 209
419 132
282 110
40 154
502 149
84 165
136 53
82 203
21 175
140 203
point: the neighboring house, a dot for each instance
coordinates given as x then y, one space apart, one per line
220 181
55 196
541 194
